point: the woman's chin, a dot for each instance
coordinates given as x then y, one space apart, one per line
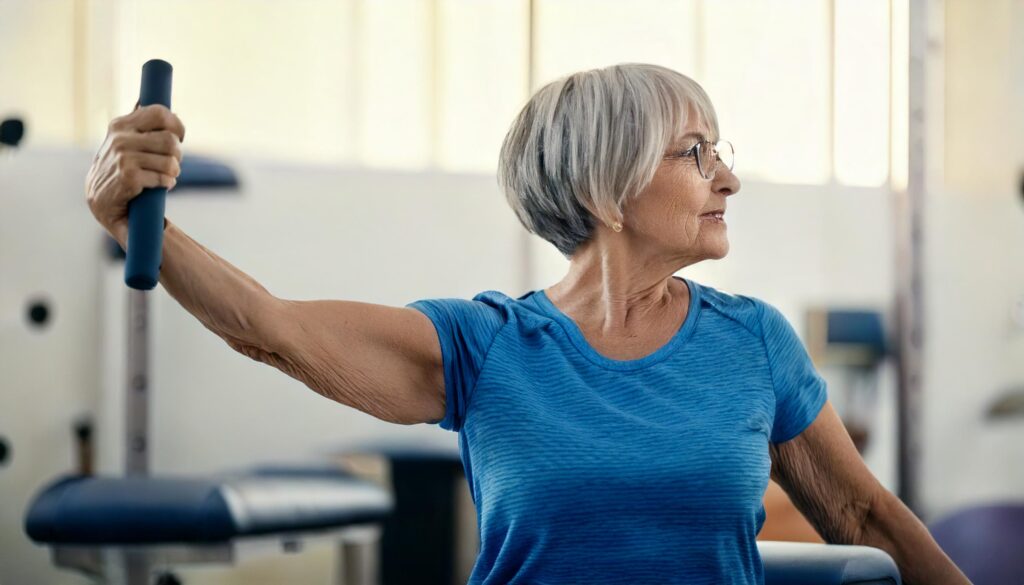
718 250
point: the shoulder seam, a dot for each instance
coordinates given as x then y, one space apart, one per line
483 363
725 314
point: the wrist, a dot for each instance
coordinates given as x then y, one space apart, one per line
120 233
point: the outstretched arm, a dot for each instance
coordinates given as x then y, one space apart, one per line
384 361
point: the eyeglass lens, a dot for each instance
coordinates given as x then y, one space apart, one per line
709 154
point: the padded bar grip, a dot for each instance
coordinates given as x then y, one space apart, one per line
146 212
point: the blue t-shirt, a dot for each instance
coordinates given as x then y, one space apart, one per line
586 469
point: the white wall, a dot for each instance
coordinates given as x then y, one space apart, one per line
49 248
974 352
974 265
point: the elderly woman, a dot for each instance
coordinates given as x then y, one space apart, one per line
619 426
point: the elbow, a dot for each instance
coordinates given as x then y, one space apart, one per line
848 518
255 352
866 513
251 328
265 324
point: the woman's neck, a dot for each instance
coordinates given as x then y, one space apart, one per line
616 291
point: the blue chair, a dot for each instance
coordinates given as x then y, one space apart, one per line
985 541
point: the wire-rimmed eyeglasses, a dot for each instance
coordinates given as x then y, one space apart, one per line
708 155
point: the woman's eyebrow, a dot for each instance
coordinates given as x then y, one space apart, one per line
682 140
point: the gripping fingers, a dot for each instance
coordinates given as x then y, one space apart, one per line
135 180
159 142
157 117
166 165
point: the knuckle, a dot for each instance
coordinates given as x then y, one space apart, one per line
169 140
159 114
167 117
145 114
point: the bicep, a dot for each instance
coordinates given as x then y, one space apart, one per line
385 361
826 478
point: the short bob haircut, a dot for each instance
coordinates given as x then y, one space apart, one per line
585 143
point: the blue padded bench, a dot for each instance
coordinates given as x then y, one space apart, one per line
163 521
797 563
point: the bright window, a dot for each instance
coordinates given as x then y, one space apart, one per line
767 72
574 35
803 88
861 98
36 69
394 82
483 71
255 77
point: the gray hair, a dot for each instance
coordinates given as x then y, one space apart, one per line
585 143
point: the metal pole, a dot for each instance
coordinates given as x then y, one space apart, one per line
909 216
137 385
525 248
136 566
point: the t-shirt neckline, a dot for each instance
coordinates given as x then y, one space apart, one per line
576 334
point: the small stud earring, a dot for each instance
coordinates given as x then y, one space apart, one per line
617 226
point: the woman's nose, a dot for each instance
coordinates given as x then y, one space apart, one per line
725 182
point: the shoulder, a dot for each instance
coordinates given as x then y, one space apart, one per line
746 311
484 311
488 311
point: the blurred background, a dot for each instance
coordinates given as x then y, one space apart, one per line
364 137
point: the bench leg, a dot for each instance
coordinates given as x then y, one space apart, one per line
137 569
359 556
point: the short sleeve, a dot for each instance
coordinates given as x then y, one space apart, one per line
465 330
800 391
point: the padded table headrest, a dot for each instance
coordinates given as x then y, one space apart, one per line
797 563
183 510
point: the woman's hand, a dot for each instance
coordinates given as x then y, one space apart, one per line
141 150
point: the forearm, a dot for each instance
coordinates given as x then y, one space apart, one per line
226 300
892 527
